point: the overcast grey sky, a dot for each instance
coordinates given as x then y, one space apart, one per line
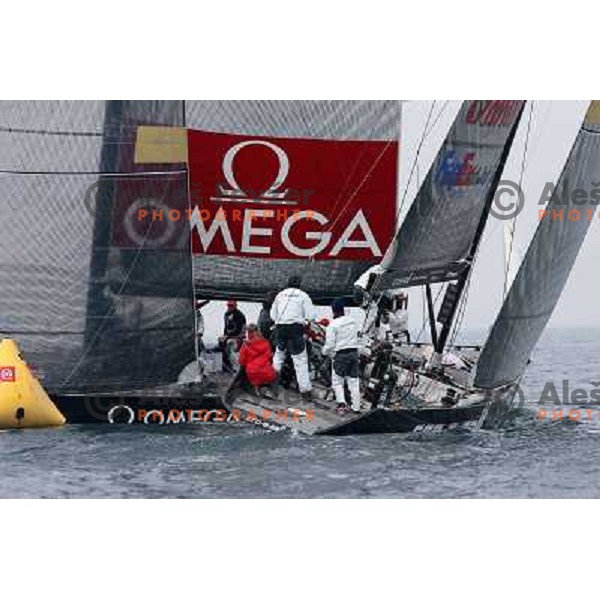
554 125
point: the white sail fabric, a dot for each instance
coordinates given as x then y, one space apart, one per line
547 264
435 239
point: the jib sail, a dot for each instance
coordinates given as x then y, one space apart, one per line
550 257
435 239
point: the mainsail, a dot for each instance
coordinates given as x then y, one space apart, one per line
547 264
436 237
96 301
100 298
337 159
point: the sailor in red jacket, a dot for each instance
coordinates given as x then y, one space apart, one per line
255 357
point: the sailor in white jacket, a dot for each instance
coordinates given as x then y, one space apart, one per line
341 342
290 311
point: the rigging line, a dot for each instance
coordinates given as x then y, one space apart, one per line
107 174
104 318
423 305
346 204
462 311
439 115
191 248
416 158
426 131
6 129
424 135
514 226
464 299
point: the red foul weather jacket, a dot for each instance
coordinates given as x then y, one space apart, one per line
255 357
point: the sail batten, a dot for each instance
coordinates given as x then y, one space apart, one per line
548 262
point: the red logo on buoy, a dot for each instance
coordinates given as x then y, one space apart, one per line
7 374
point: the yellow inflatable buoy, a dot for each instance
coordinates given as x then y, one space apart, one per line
23 401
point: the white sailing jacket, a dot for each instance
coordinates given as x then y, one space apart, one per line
341 334
292 306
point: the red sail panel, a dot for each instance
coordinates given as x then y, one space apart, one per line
291 198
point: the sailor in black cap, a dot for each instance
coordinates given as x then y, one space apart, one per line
341 342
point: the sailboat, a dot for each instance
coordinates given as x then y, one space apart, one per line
112 226
414 387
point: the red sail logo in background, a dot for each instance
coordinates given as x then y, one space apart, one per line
291 198
494 113
7 374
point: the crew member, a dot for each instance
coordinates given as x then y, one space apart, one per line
265 323
398 317
233 332
377 322
291 309
341 342
200 347
255 358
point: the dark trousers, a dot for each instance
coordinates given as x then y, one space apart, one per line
290 338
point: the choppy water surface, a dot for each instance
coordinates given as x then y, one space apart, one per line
528 458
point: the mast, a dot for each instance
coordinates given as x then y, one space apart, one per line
455 292
431 315
97 303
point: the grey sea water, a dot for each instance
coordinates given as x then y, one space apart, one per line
529 457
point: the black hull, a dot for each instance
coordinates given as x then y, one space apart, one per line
81 409
197 403
408 421
186 405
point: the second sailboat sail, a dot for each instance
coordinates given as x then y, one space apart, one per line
547 264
